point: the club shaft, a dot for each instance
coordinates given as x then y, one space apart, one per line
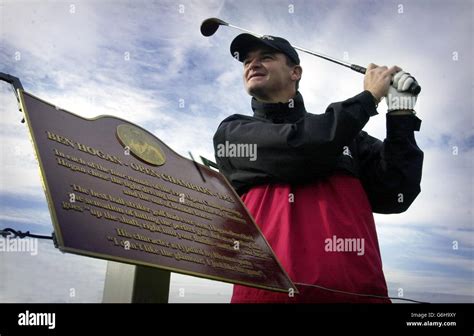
326 57
245 30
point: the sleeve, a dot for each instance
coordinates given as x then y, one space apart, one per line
291 152
391 170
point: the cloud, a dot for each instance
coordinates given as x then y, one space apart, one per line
185 289
50 276
32 217
429 283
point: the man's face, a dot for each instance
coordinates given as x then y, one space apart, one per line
266 73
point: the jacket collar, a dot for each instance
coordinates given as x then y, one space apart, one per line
280 112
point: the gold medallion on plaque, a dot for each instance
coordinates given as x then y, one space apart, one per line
141 144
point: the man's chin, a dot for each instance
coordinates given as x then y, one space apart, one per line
256 88
258 92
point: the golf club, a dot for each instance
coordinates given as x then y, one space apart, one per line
210 26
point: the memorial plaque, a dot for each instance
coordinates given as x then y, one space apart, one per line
116 192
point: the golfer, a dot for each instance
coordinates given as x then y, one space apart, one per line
317 179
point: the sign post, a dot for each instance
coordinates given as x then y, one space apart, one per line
135 284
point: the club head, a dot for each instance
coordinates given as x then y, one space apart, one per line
210 26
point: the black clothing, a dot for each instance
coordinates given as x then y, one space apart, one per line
294 146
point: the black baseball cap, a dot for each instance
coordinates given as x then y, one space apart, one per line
243 43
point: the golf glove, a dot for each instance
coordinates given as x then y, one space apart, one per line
397 98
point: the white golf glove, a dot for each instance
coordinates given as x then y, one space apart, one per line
397 98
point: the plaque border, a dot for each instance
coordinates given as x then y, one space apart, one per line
57 229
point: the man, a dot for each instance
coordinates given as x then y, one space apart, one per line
317 179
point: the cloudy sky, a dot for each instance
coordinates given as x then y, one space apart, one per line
146 61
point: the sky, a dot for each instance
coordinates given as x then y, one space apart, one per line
146 62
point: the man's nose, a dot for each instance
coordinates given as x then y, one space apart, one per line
255 63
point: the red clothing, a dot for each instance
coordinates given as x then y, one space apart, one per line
298 231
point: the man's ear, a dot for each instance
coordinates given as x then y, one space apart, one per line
296 73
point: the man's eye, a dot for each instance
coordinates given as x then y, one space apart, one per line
267 57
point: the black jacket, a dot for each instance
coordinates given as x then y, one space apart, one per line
294 146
